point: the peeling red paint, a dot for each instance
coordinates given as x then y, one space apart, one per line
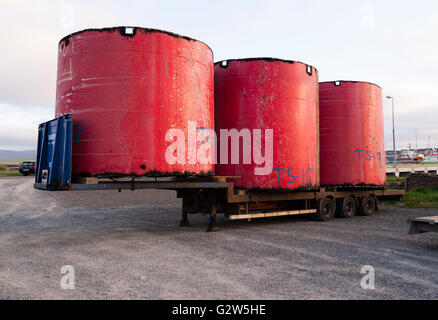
267 93
125 90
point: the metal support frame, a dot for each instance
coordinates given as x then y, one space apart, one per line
220 194
184 220
142 184
212 223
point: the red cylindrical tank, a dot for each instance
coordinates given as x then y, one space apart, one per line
126 87
268 93
351 134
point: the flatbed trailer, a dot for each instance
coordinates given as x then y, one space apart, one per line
203 194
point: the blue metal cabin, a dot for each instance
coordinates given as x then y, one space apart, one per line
53 170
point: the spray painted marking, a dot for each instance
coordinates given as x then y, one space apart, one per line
206 135
306 175
77 129
368 155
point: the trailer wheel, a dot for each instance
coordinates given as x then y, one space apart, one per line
368 205
326 210
347 208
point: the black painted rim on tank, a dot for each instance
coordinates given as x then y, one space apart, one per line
123 31
226 62
338 83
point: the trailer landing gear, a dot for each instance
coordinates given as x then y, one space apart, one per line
184 221
212 223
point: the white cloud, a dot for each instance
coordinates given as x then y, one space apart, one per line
19 126
29 36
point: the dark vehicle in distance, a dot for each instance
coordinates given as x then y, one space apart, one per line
27 167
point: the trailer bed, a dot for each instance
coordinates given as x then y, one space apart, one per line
203 194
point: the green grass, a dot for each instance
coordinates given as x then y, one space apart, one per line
394 179
393 182
13 162
424 197
12 173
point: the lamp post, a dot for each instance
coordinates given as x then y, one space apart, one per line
393 131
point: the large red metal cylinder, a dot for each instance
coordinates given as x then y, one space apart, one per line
267 93
126 87
351 134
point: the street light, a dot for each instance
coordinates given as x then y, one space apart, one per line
393 130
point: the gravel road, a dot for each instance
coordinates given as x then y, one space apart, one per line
129 246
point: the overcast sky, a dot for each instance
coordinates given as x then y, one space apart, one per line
391 43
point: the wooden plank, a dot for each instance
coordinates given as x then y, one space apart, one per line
430 219
394 192
423 224
269 214
279 196
126 185
224 178
86 180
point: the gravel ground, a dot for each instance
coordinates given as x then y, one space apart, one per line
129 246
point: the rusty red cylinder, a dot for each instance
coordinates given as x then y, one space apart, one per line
351 134
126 87
275 94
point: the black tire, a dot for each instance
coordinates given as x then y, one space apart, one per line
326 210
347 208
368 205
